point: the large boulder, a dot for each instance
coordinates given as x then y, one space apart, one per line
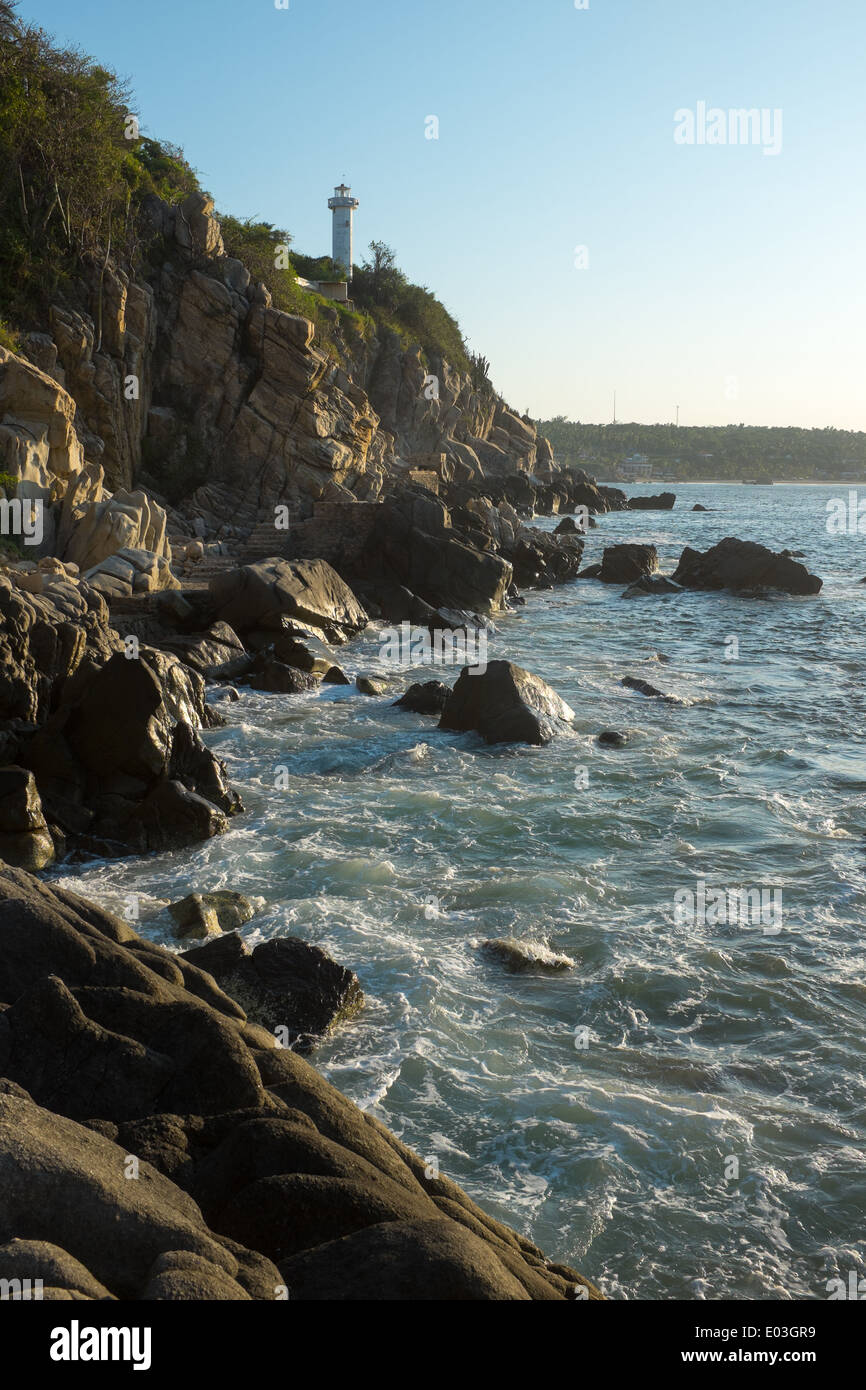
623 564
505 704
120 762
290 985
262 595
126 521
739 565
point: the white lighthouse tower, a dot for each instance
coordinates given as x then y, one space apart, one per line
343 206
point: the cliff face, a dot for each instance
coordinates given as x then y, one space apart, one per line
189 376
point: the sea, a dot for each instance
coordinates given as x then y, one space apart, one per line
680 1115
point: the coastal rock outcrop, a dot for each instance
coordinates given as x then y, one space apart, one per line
154 1143
743 565
505 704
263 595
623 564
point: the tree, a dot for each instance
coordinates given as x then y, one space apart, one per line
383 279
8 19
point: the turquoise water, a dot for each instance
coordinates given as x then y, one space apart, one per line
400 849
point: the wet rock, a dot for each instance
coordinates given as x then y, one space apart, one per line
219 955
428 697
371 685
644 688
335 675
206 914
623 564
744 565
611 738
590 572
275 678
505 704
290 985
519 956
698 507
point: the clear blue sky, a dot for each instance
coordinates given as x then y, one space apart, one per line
719 278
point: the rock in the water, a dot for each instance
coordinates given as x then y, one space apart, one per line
206 914
650 584
739 565
623 564
698 507
661 502
335 675
428 697
519 956
644 688
505 704
288 984
275 678
371 685
611 738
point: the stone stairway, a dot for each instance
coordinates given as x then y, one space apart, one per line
263 542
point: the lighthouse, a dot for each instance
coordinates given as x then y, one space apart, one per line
343 206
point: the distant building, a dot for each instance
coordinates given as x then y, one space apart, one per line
636 469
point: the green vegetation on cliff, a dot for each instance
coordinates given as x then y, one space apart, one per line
710 451
74 170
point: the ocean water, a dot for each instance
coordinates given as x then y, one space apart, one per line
681 1116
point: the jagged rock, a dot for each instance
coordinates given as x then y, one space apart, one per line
121 761
128 521
230 1133
218 654
520 956
307 591
699 507
739 565
623 564
590 572
426 698
335 675
219 955
505 704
